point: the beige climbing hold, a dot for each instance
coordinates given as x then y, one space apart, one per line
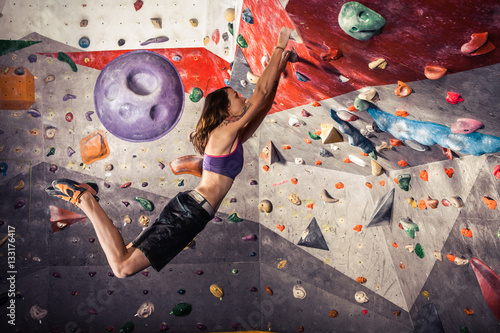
294 35
379 63
438 255
145 310
410 248
460 261
206 40
329 134
326 197
356 160
229 14
377 170
226 53
156 22
265 206
294 198
299 292
456 202
269 154
433 203
384 146
127 219
369 95
84 23
252 78
361 297
194 22
434 72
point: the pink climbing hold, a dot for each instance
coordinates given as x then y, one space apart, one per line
465 126
453 98
496 171
489 281
346 116
216 36
251 238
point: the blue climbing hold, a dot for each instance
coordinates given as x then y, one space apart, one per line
3 168
355 137
247 16
84 42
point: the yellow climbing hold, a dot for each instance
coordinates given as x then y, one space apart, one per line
20 185
282 264
206 40
229 14
425 293
217 291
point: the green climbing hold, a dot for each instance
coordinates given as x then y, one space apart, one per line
359 21
314 136
66 58
498 234
463 329
196 95
145 203
182 309
52 151
361 105
230 28
373 154
419 251
128 327
234 218
8 46
241 41
404 181
409 227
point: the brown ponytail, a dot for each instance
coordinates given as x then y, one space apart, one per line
215 110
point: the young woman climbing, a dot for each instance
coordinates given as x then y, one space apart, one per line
226 122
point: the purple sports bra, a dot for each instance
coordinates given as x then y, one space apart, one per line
227 165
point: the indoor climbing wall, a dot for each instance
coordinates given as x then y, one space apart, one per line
368 198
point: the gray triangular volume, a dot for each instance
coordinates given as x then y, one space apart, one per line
428 320
383 210
313 237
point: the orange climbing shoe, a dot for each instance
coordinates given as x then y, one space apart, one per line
70 190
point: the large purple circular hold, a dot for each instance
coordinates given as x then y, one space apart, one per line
139 96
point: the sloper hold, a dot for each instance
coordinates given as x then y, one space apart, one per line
383 210
428 320
269 153
312 237
489 281
329 134
94 147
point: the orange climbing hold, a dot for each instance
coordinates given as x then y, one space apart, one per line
401 113
469 312
94 147
352 108
318 132
395 244
280 227
269 290
310 205
382 182
402 90
363 154
422 205
360 279
306 140
357 227
450 257
346 160
294 181
466 232
315 104
318 162
490 203
396 180
402 266
286 147
395 142
403 163
449 172
424 175
266 168
339 186
369 185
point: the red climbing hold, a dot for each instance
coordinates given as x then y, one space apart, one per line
453 98
216 36
357 228
447 152
138 5
489 281
280 227
449 172
126 185
496 171
395 142
305 113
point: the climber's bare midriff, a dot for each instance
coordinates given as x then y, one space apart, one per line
214 187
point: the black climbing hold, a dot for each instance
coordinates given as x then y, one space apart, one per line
19 71
313 237
382 212
376 128
121 42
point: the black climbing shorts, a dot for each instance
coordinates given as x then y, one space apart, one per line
181 220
